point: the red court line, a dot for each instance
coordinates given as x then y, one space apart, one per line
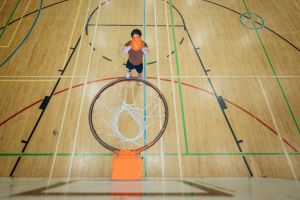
19 112
164 79
244 110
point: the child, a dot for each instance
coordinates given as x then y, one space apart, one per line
135 60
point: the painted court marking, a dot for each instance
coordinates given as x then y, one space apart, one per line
69 90
172 77
173 91
82 97
167 80
275 73
178 79
28 80
277 130
3 4
19 23
26 36
158 84
296 4
162 76
152 154
145 91
9 18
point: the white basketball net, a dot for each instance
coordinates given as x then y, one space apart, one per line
133 111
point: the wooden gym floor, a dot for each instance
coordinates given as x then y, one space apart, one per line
229 70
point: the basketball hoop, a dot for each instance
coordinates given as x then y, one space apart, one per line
127 118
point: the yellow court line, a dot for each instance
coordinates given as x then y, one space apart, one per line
42 76
173 90
296 4
69 45
162 157
13 36
3 5
68 96
78 129
26 80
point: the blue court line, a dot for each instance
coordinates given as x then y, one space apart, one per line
145 92
26 36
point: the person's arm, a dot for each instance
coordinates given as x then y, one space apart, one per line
126 47
145 49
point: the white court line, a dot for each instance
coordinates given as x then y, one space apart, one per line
277 130
42 76
69 91
230 76
173 91
296 4
3 4
162 76
24 80
158 83
82 97
13 36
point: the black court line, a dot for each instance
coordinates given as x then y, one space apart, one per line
215 94
150 63
48 6
90 17
49 98
269 29
283 38
88 21
43 110
238 141
106 58
92 46
171 53
221 102
181 41
45 102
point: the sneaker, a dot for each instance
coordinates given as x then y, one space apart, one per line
128 74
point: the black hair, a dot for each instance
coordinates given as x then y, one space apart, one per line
136 31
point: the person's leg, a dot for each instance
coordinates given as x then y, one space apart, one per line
128 74
139 70
140 75
129 66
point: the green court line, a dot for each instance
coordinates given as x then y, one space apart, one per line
7 22
275 74
151 154
179 80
